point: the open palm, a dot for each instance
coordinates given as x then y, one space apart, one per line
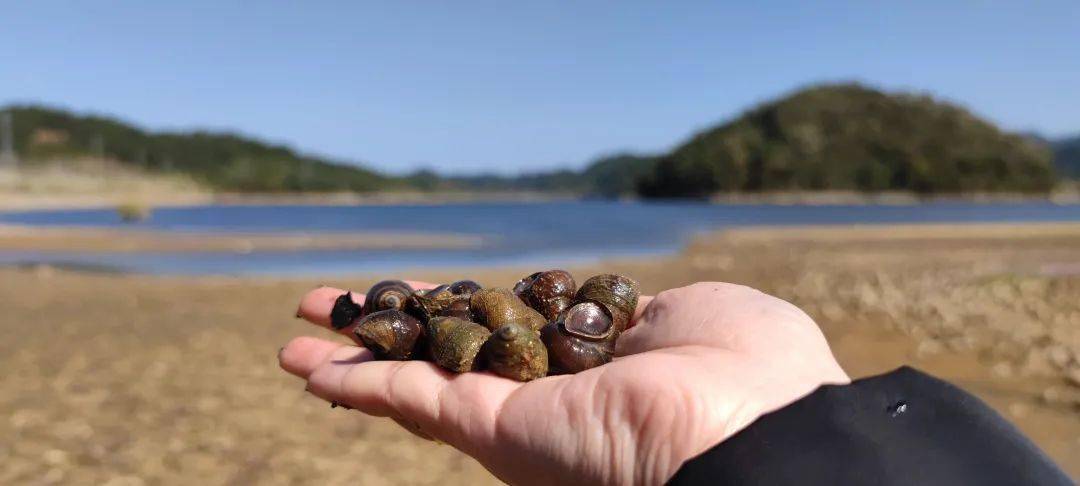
698 364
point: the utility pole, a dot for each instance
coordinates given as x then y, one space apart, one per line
7 142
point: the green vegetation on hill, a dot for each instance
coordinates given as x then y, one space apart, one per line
828 137
220 161
849 137
609 177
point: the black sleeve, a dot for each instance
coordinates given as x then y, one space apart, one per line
904 427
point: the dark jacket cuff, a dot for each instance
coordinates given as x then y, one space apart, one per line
904 427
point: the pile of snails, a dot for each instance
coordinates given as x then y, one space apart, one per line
544 325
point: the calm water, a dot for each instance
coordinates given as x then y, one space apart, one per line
526 233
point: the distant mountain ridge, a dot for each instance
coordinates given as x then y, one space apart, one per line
851 137
826 137
218 160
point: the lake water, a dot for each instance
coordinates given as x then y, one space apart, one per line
514 233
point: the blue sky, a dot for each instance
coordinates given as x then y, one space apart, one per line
509 86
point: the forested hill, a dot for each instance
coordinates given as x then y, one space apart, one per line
850 137
1067 156
233 162
218 160
828 137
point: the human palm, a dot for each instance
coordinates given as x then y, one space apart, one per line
698 364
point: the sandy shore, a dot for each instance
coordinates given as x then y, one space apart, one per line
147 380
27 238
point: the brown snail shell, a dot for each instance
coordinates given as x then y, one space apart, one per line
549 292
454 343
345 311
389 334
618 295
584 335
496 307
463 287
515 351
440 301
570 354
387 294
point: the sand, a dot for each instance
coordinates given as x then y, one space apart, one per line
60 239
119 379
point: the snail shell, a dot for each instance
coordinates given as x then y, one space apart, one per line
454 343
387 294
464 287
548 292
618 295
584 335
440 301
515 351
496 307
389 334
570 354
345 311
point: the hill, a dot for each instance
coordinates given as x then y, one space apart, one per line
217 160
850 137
1067 156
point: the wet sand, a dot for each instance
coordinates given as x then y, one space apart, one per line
147 380
41 239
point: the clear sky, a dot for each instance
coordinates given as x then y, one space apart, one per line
468 86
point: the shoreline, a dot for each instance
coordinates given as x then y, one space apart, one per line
37 201
123 240
59 239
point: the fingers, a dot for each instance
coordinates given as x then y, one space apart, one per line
642 303
305 354
316 305
458 409
428 401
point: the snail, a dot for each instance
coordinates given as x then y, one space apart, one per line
387 294
389 334
515 351
463 287
496 307
345 311
548 292
453 343
543 326
584 335
444 300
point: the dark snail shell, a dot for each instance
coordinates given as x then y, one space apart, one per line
548 292
618 295
496 307
515 351
464 287
440 301
345 311
584 335
389 334
570 354
454 343
388 294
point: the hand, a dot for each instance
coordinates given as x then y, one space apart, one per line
698 364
